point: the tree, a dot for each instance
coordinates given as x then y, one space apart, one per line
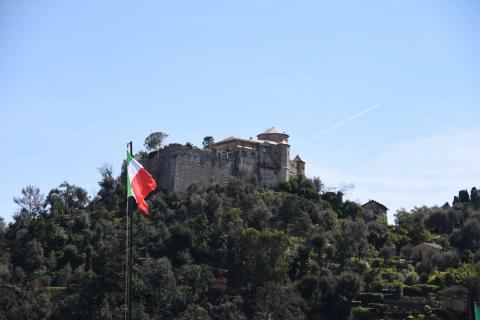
319 185
467 237
378 234
454 302
463 196
158 289
277 302
301 186
208 142
387 252
351 240
227 311
257 257
67 198
475 197
154 140
195 312
3 243
350 209
292 216
31 200
349 284
107 194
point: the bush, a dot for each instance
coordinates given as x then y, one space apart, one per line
371 297
397 288
361 313
424 267
413 291
387 252
406 251
379 306
429 288
398 263
437 279
419 290
389 275
412 278
376 262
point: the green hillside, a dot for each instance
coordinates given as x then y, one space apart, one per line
238 251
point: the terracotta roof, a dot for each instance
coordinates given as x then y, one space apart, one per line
375 202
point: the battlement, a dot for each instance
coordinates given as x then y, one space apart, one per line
180 149
177 166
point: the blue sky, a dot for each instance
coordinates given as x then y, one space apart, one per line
79 79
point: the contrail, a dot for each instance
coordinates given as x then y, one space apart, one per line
341 123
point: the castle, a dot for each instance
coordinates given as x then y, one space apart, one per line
265 159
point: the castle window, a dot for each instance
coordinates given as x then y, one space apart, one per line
244 154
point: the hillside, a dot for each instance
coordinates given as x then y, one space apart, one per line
238 251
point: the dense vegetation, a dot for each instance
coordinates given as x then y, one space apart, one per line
238 251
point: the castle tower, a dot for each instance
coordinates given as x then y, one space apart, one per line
284 159
273 134
300 164
281 154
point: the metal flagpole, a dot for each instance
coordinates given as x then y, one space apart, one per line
128 279
126 263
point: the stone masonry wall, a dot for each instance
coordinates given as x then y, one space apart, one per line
209 167
176 167
162 167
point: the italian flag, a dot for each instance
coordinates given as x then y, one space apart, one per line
139 183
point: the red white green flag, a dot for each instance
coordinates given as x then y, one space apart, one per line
139 183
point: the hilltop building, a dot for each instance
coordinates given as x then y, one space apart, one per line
374 211
424 251
265 159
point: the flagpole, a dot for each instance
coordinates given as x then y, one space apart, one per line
126 260
138 187
128 314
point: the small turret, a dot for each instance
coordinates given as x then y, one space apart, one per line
300 165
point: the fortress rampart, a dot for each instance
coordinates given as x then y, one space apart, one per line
176 167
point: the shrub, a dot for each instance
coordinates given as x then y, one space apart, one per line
412 278
387 252
406 251
388 274
398 288
376 262
371 297
419 290
379 306
361 313
437 279
413 291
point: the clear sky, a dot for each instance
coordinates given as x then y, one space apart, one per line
79 79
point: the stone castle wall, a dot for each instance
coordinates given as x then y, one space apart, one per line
162 167
176 167
209 167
